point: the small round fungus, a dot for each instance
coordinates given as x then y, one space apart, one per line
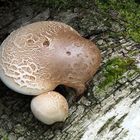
50 107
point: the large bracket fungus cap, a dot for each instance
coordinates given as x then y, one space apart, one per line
40 56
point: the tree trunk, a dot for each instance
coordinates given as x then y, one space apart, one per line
110 109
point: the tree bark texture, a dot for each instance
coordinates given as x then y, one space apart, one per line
110 108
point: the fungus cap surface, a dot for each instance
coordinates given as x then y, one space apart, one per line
38 57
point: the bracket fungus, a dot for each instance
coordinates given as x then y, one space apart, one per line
38 57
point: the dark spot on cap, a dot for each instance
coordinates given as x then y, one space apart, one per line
30 41
68 53
46 43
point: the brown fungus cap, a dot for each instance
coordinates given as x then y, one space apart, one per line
40 56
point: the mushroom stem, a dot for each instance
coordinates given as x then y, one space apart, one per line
50 107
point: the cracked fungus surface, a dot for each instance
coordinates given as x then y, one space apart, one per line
42 55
